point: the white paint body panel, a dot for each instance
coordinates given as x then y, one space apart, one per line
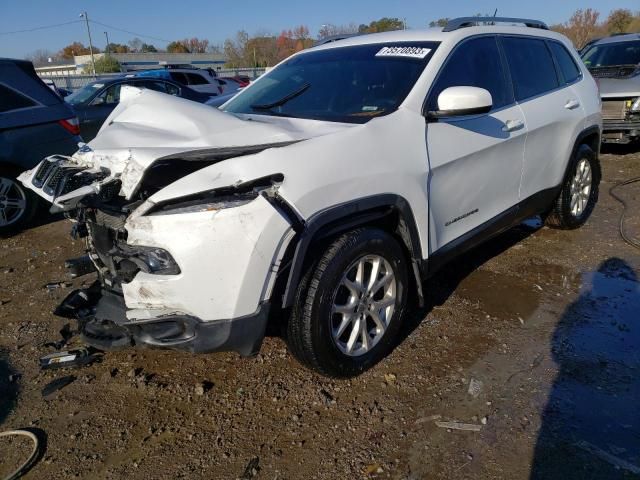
444 170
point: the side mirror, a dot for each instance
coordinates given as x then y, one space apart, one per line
461 101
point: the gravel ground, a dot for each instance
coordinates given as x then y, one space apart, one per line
532 340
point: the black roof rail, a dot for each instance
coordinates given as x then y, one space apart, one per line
463 22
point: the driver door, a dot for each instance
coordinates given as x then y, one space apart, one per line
475 161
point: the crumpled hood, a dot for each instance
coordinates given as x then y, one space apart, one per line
148 125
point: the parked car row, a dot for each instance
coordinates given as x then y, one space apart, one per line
322 195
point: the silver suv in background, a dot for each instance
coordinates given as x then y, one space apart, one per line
615 64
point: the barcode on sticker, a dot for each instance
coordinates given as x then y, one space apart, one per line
408 52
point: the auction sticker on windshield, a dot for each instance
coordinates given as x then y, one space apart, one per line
407 52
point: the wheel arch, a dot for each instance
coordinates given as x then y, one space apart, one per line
390 212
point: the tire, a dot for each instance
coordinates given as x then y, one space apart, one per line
579 193
18 205
313 331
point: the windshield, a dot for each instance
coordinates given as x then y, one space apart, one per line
348 84
84 94
612 54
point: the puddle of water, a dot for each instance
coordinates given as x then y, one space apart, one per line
596 395
499 295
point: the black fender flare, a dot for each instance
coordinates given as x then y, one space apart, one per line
346 216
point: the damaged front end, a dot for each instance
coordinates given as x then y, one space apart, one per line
99 214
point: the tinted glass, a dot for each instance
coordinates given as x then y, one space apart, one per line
612 54
568 68
12 100
346 84
179 77
531 66
474 63
195 79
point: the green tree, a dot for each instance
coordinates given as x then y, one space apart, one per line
385 24
441 22
104 64
177 47
148 48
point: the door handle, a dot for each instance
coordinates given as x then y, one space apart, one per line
572 104
512 125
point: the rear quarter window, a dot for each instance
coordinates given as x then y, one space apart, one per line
12 100
531 65
568 68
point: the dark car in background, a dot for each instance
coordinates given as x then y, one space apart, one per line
615 64
94 102
34 123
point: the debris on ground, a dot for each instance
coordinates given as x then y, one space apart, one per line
78 357
372 469
468 427
252 469
427 419
56 285
475 387
389 378
35 452
66 333
56 385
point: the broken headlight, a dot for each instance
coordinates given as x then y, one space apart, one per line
149 259
217 199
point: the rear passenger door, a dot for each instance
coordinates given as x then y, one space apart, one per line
552 109
475 161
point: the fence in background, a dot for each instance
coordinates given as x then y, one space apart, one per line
74 82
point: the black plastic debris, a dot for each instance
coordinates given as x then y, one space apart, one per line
78 357
66 333
56 385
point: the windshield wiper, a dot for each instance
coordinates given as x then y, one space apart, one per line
283 100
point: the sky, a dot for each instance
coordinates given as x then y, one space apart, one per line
217 20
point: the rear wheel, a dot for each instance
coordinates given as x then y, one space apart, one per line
17 204
579 193
349 305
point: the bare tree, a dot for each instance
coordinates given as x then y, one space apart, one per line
619 21
331 30
135 44
581 27
40 56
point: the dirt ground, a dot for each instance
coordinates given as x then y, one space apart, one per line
533 339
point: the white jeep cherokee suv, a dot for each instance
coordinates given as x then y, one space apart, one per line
325 193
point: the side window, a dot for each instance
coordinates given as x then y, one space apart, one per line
109 96
531 66
474 63
12 100
171 89
195 79
568 68
179 77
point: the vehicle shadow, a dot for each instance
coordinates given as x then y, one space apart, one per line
591 423
41 219
442 285
620 149
9 386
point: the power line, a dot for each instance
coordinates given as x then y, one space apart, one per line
44 27
130 33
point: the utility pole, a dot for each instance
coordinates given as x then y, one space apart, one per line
93 62
106 34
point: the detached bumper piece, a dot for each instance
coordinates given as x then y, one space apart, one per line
103 324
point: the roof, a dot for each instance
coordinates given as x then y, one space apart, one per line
14 61
438 34
627 37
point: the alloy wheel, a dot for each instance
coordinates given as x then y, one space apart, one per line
581 188
13 202
363 305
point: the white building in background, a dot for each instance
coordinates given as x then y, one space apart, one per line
133 61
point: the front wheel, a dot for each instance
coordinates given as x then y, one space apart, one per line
579 193
349 305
